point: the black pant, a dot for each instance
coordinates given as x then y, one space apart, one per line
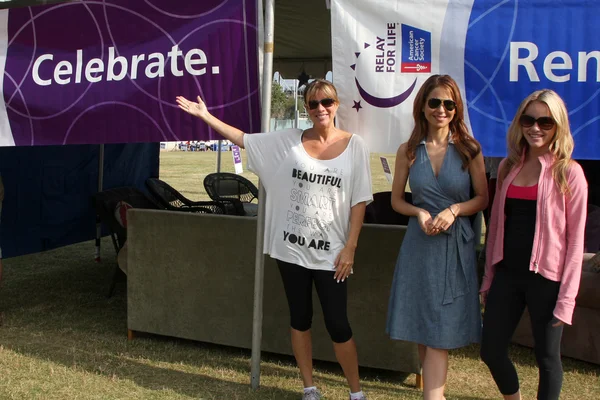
510 292
297 282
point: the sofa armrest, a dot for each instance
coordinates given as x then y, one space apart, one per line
591 262
589 290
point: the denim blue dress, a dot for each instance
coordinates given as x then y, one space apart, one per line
434 298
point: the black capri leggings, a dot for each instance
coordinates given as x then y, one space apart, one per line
297 282
510 292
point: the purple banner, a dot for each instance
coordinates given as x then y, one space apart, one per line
108 71
237 158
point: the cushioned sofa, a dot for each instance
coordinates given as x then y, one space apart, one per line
192 276
582 339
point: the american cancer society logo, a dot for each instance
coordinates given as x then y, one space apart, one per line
381 61
416 50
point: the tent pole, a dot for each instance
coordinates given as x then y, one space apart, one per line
100 186
219 156
296 113
259 262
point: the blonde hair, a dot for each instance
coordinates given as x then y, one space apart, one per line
320 85
561 145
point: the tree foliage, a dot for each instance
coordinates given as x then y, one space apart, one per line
282 102
278 101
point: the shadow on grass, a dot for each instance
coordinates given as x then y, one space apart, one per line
125 367
283 366
525 356
56 310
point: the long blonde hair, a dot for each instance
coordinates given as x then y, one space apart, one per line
561 145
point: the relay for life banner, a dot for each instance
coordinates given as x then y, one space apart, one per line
92 71
498 52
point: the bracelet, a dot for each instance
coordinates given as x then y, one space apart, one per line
453 213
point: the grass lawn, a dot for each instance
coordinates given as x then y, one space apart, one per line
185 171
61 338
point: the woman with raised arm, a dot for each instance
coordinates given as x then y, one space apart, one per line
318 182
535 243
434 300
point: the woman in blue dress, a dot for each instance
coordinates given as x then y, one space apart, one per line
434 298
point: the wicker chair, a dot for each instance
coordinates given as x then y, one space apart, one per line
237 190
105 204
171 199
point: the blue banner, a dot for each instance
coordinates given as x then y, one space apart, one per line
498 51
516 47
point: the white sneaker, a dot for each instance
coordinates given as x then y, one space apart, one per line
312 394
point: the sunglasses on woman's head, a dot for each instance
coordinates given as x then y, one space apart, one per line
434 103
545 123
313 104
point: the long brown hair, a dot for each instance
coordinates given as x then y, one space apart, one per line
466 145
561 145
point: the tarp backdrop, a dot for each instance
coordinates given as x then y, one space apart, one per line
498 51
108 71
48 191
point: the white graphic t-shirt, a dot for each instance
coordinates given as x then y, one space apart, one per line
308 200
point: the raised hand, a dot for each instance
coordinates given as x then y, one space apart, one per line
199 110
196 109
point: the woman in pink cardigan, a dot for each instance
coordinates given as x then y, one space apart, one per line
535 243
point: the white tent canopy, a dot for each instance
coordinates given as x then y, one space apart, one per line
302 38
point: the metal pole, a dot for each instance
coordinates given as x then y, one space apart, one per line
100 187
259 262
219 156
296 114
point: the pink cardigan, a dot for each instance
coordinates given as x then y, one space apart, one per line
557 251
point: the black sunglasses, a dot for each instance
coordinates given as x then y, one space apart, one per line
434 103
313 104
545 123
